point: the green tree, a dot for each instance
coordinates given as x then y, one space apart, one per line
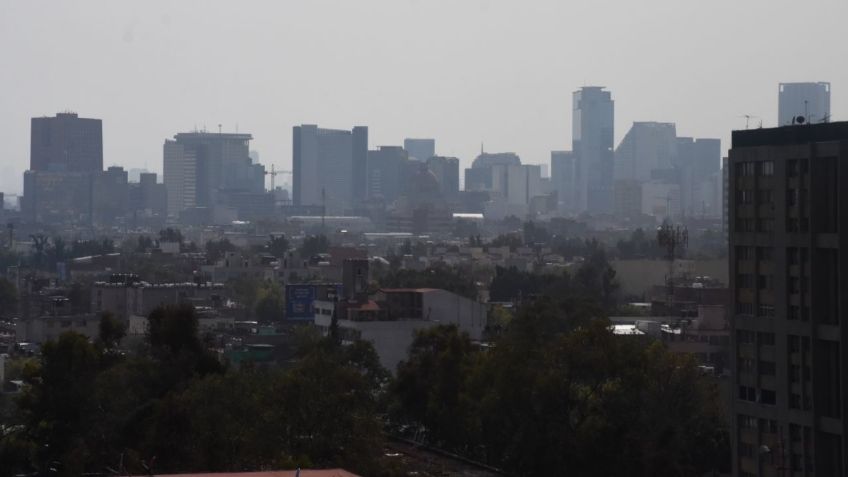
174 341
313 245
57 404
215 249
269 304
111 331
430 384
439 275
278 245
171 235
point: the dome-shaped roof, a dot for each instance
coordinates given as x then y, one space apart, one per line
425 182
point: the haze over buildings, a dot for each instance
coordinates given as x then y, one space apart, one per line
111 61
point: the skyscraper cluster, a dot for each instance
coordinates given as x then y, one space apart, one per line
651 175
66 182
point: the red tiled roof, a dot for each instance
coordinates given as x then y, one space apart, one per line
279 473
370 306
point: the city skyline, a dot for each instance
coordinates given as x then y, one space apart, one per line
127 67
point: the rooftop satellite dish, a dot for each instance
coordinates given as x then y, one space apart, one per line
800 120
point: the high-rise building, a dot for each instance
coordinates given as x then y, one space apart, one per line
592 144
420 149
329 167
810 101
109 195
563 180
788 231
180 176
479 176
699 175
684 171
202 169
647 147
66 143
148 195
446 170
388 173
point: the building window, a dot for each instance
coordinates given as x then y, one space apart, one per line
744 280
765 339
746 450
794 373
745 225
767 368
747 393
745 337
794 344
747 422
765 225
792 256
745 169
767 168
768 397
744 197
792 197
765 253
792 168
792 225
743 308
768 426
766 197
765 311
744 253
745 365
765 282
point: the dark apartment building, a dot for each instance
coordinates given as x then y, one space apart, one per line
66 143
788 250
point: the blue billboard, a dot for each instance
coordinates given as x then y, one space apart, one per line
299 301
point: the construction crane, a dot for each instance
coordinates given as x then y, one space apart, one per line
273 173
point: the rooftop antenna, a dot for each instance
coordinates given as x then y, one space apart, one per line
806 114
219 128
748 118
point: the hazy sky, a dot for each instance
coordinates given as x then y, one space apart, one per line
461 71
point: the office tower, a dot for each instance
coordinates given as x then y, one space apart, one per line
811 101
563 180
153 195
592 144
388 173
203 169
222 162
678 175
787 271
360 163
647 147
66 143
420 149
699 175
517 183
57 197
109 195
725 198
329 167
446 170
180 176
479 176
